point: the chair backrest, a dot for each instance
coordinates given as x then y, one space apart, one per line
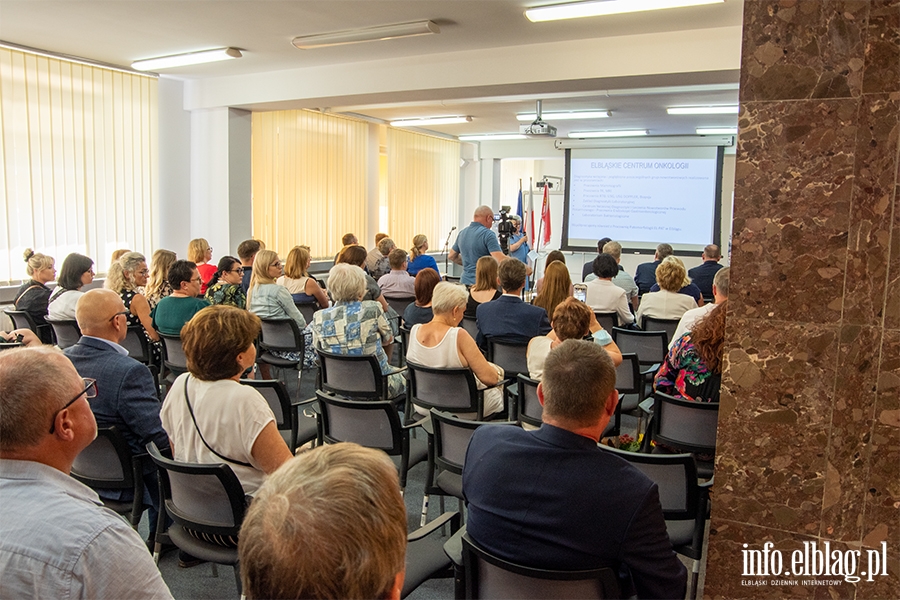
607 320
685 425
357 376
654 324
650 346
529 407
373 424
276 396
175 357
307 309
106 463
66 333
674 474
136 343
451 440
470 325
628 374
207 498
281 335
512 357
449 390
21 319
400 304
488 576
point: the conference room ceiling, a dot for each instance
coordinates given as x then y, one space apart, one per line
120 32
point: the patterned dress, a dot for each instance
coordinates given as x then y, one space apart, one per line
357 329
229 294
164 290
685 375
134 321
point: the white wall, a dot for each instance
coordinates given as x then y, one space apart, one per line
172 229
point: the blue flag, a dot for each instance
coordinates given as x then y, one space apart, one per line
519 207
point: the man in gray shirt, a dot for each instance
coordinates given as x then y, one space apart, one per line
56 538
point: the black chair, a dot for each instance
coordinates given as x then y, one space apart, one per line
470 325
108 464
452 278
448 440
207 499
404 344
685 502
295 427
489 576
307 309
685 426
373 424
446 389
651 348
654 324
528 407
174 358
399 304
22 320
631 388
66 333
280 335
509 356
137 344
356 377
607 320
425 556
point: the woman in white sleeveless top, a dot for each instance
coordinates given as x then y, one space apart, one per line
441 343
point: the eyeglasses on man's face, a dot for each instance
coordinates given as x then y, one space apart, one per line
89 391
113 318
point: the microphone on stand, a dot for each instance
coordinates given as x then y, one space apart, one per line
447 252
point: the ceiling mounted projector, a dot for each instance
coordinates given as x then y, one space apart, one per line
538 128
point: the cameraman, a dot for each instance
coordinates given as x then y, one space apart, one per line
475 241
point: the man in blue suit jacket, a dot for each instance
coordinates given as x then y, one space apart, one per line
645 275
126 391
508 318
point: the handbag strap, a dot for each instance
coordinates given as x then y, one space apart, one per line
202 439
19 299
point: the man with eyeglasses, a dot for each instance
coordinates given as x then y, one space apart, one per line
127 396
175 310
56 538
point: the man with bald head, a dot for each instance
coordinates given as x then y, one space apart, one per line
475 241
126 394
56 538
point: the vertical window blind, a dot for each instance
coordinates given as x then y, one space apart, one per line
78 160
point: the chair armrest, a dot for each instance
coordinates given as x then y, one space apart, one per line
651 369
420 423
502 383
300 403
395 371
450 516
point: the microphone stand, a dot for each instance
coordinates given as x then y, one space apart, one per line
447 252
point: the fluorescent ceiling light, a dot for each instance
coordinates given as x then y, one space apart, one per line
492 136
189 58
717 131
730 109
608 134
566 116
577 10
368 34
430 121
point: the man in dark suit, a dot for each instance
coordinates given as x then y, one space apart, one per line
703 274
552 499
126 391
508 318
645 275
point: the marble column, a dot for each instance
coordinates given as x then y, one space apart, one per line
809 426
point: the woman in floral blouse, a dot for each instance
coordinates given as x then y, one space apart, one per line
354 326
225 285
693 368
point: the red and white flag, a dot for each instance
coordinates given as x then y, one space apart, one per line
545 215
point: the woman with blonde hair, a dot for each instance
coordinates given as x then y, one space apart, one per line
33 296
158 286
303 288
688 288
486 287
557 287
667 303
200 253
418 260
125 276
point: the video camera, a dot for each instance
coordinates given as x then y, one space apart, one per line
505 228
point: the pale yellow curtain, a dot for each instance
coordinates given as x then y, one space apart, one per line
423 187
78 160
309 180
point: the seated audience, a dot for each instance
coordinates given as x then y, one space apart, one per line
420 311
126 391
56 539
246 251
33 296
666 303
125 277
557 287
487 286
348 239
551 499
603 295
383 265
200 253
303 287
645 275
702 275
552 257
26 337
720 294
622 278
225 285
398 283
687 287
356 255
268 300
693 368
587 269
375 254
509 319
572 320
175 310
330 523
77 271
209 416
420 260
355 326
158 285
441 343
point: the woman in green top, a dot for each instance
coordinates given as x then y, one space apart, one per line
225 285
